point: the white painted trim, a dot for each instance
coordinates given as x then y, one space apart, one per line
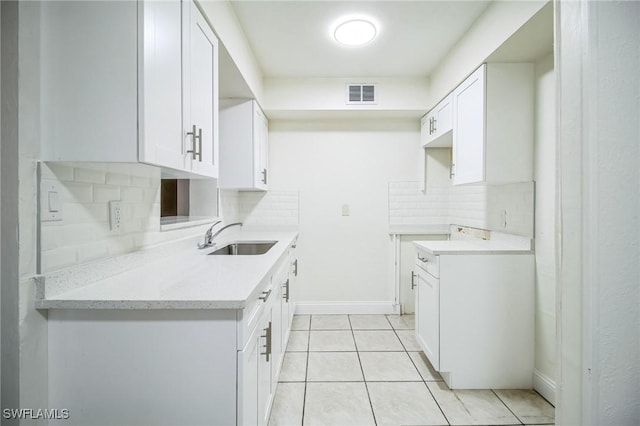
544 386
318 308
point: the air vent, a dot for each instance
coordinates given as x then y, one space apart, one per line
361 94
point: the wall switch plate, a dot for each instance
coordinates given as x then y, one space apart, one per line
346 211
503 218
50 201
115 215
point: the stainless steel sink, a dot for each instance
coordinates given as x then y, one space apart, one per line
245 248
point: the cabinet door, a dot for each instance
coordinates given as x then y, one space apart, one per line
443 116
261 148
264 369
161 84
200 62
428 316
248 387
469 129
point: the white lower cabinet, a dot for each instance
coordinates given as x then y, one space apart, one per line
428 315
188 366
475 318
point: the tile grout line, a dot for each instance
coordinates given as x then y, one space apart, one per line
508 408
423 379
364 379
306 374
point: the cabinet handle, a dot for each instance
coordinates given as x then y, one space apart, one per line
265 295
430 126
193 135
423 259
413 283
200 144
267 344
452 173
285 286
434 125
264 176
295 267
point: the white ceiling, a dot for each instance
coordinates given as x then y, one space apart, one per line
292 38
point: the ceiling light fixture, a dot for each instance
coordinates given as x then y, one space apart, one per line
355 32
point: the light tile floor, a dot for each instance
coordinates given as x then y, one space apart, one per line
369 370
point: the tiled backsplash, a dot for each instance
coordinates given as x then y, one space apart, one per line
84 234
85 191
408 205
273 209
505 208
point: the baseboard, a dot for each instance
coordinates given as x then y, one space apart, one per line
372 308
544 386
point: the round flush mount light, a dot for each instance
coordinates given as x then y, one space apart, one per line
355 32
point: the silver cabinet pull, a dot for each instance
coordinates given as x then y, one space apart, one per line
196 138
423 259
267 344
295 267
264 176
285 286
200 144
413 283
193 135
265 295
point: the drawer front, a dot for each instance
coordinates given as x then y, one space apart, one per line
428 262
249 316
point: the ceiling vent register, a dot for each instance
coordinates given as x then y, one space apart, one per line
361 94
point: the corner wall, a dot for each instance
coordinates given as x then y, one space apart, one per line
545 220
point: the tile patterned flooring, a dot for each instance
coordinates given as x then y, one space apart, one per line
369 370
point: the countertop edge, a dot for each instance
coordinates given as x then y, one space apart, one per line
45 300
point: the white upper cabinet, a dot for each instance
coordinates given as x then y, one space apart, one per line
437 125
244 146
493 125
200 92
115 79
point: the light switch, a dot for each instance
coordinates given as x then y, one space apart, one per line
346 210
54 202
51 205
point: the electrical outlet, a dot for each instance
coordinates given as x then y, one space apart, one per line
115 215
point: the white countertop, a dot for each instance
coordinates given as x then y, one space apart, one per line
433 229
475 247
183 278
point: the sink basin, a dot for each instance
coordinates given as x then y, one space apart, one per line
245 248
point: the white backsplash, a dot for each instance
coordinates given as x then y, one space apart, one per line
84 234
408 205
273 209
505 208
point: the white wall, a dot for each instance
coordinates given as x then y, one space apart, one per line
545 178
343 258
598 63
499 22
9 262
405 96
226 26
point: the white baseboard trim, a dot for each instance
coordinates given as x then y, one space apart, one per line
544 386
372 308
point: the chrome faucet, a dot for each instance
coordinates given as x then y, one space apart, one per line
208 237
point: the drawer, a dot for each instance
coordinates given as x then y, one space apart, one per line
249 316
428 262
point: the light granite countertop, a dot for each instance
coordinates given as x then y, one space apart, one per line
452 247
176 276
